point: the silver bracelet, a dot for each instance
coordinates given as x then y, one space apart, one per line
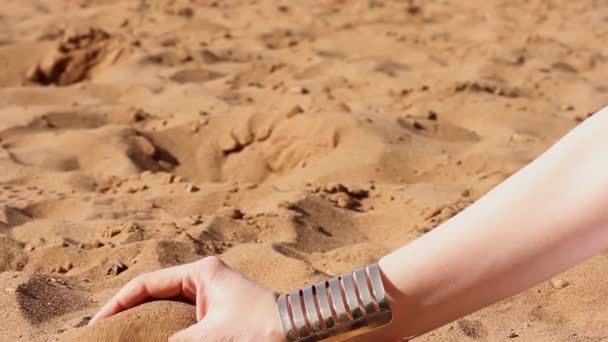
336 309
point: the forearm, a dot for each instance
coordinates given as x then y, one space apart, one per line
549 216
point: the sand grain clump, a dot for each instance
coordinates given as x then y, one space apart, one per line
77 56
154 321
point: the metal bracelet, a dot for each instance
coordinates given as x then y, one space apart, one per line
336 309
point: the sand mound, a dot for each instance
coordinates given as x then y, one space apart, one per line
34 300
78 56
127 153
42 299
148 322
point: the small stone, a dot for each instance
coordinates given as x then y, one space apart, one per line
424 230
137 115
192 188
432 115
344 107
97 244
568 108
186 12
195 219
358 192
231 212
132 227
83 321
64 268
250 186
168 178
333 188
136 188
417 125
117 268
465 193
513 335
287 205
110 232
294 111
57 280
413 10
559 283
342 200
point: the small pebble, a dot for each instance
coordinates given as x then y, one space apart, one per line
117 268
231 212
568 108
417 125
559 283
192 188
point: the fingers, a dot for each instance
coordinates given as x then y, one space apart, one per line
201 302
166 283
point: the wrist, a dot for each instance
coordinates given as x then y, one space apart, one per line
275 330
397 329
338 309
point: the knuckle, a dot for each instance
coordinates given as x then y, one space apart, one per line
210 266
212 262
137 280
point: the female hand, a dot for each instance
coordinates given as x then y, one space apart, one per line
229 306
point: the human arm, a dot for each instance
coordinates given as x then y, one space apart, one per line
544 219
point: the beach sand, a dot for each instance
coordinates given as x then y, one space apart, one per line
296 140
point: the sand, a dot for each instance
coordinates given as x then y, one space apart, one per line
296 140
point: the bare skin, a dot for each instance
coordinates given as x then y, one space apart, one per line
222 296
543 220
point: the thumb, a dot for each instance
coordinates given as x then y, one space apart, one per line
195 332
